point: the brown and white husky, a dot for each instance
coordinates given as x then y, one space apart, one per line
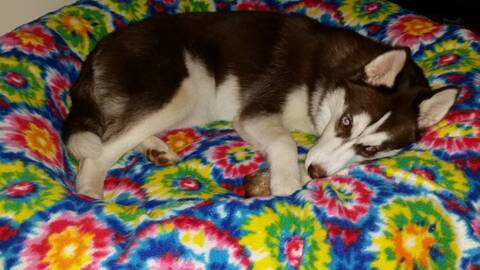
268 73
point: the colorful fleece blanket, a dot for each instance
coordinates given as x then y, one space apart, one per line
417 210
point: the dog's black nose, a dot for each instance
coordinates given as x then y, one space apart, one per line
315 171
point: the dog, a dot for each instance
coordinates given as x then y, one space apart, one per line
268 73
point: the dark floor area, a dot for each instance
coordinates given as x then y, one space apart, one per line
461 12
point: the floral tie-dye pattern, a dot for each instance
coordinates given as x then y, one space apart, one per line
133 10
20 82
417 210
128 215
207 246
59 86
123 190
196 6
423 169
25 190
319 10
411 30
80 27
34 39
450 55
181 141
286 235
458 134
68 240
188 179
33 135
341 197
362 12
415 234
236 159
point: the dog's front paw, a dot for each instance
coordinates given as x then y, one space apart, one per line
89 192
286 189
285 183
162 157
90 178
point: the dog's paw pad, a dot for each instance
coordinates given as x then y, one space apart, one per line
162 158
257 184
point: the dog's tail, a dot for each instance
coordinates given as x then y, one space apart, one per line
82 129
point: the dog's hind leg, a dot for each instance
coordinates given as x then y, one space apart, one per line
93 169
158 152
269 135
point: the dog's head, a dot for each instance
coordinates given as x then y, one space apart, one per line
374 112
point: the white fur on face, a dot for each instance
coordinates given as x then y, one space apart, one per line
373 139
360 122
333 153
331 107
372 128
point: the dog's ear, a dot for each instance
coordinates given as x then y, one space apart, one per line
384 68
435 106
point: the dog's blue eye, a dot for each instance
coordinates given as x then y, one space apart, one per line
346 120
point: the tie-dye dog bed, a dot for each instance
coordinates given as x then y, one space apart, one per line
418 210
